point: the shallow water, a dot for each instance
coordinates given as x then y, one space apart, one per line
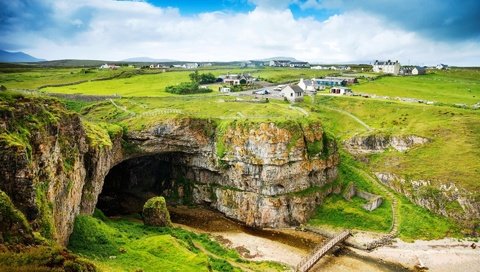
286 246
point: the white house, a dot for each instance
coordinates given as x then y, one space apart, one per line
442 66
308 85
109 66
386 67
191 65
299 64
279 63
341 90
418 71
292 93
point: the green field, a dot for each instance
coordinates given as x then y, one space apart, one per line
451 86
452 155
154 85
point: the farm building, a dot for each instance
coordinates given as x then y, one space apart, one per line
386 67
341 90
293 93
109 66
442 66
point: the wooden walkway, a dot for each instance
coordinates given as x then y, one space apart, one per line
320 251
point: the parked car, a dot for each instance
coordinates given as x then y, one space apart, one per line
262 92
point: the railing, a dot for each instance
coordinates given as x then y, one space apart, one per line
319 251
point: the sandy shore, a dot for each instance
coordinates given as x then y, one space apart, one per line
438 255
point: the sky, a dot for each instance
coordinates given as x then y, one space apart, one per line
415 32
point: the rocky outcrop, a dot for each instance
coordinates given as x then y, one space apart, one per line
53 165
378 143
445 198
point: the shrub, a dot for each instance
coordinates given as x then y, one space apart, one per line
186 88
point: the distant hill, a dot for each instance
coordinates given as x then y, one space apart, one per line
147 59
6 56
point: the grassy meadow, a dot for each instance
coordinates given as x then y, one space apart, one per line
128 245
454 86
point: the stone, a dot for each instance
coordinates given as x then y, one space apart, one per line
155 212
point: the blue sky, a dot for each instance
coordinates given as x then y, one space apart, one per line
324 31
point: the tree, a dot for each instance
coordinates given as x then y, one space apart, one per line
194 77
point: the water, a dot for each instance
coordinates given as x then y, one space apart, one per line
286 246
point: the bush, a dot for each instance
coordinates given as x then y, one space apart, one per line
186 88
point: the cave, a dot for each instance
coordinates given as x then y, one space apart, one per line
129 184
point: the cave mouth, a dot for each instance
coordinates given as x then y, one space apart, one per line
129 184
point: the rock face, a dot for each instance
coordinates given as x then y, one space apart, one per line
155 212
444 199
378 143
53 166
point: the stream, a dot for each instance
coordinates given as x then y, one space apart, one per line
286 246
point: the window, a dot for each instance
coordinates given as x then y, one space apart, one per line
291 94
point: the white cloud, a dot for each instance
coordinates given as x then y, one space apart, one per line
120 29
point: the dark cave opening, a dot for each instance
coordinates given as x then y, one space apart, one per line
129 184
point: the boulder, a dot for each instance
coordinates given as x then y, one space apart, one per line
155 212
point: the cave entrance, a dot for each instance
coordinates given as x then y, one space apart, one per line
129 184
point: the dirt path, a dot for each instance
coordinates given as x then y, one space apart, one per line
358 120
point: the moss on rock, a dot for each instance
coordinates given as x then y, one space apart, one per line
14 227
155 212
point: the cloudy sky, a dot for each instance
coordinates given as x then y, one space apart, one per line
323 31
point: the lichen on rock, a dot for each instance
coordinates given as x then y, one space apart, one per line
155 212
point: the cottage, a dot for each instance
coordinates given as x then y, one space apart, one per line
292 93
386 67
442 66
252 64
412 71
308 85
341 90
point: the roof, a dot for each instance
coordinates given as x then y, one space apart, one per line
388 62
296 88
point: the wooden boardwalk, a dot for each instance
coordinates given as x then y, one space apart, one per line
320 251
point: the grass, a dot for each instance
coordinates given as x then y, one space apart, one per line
139 247
339 213
450 86
155 84
32 78
418 223
453 154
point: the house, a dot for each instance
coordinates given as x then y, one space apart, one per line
329 82
109 66
279 63
205 64
412 71
386 67
418 70
190 65
348 80
308 85
236 79
341 90
224 89
157 66
442 66
292 93
299 64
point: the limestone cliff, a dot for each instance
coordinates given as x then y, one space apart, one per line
54 166
376 143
